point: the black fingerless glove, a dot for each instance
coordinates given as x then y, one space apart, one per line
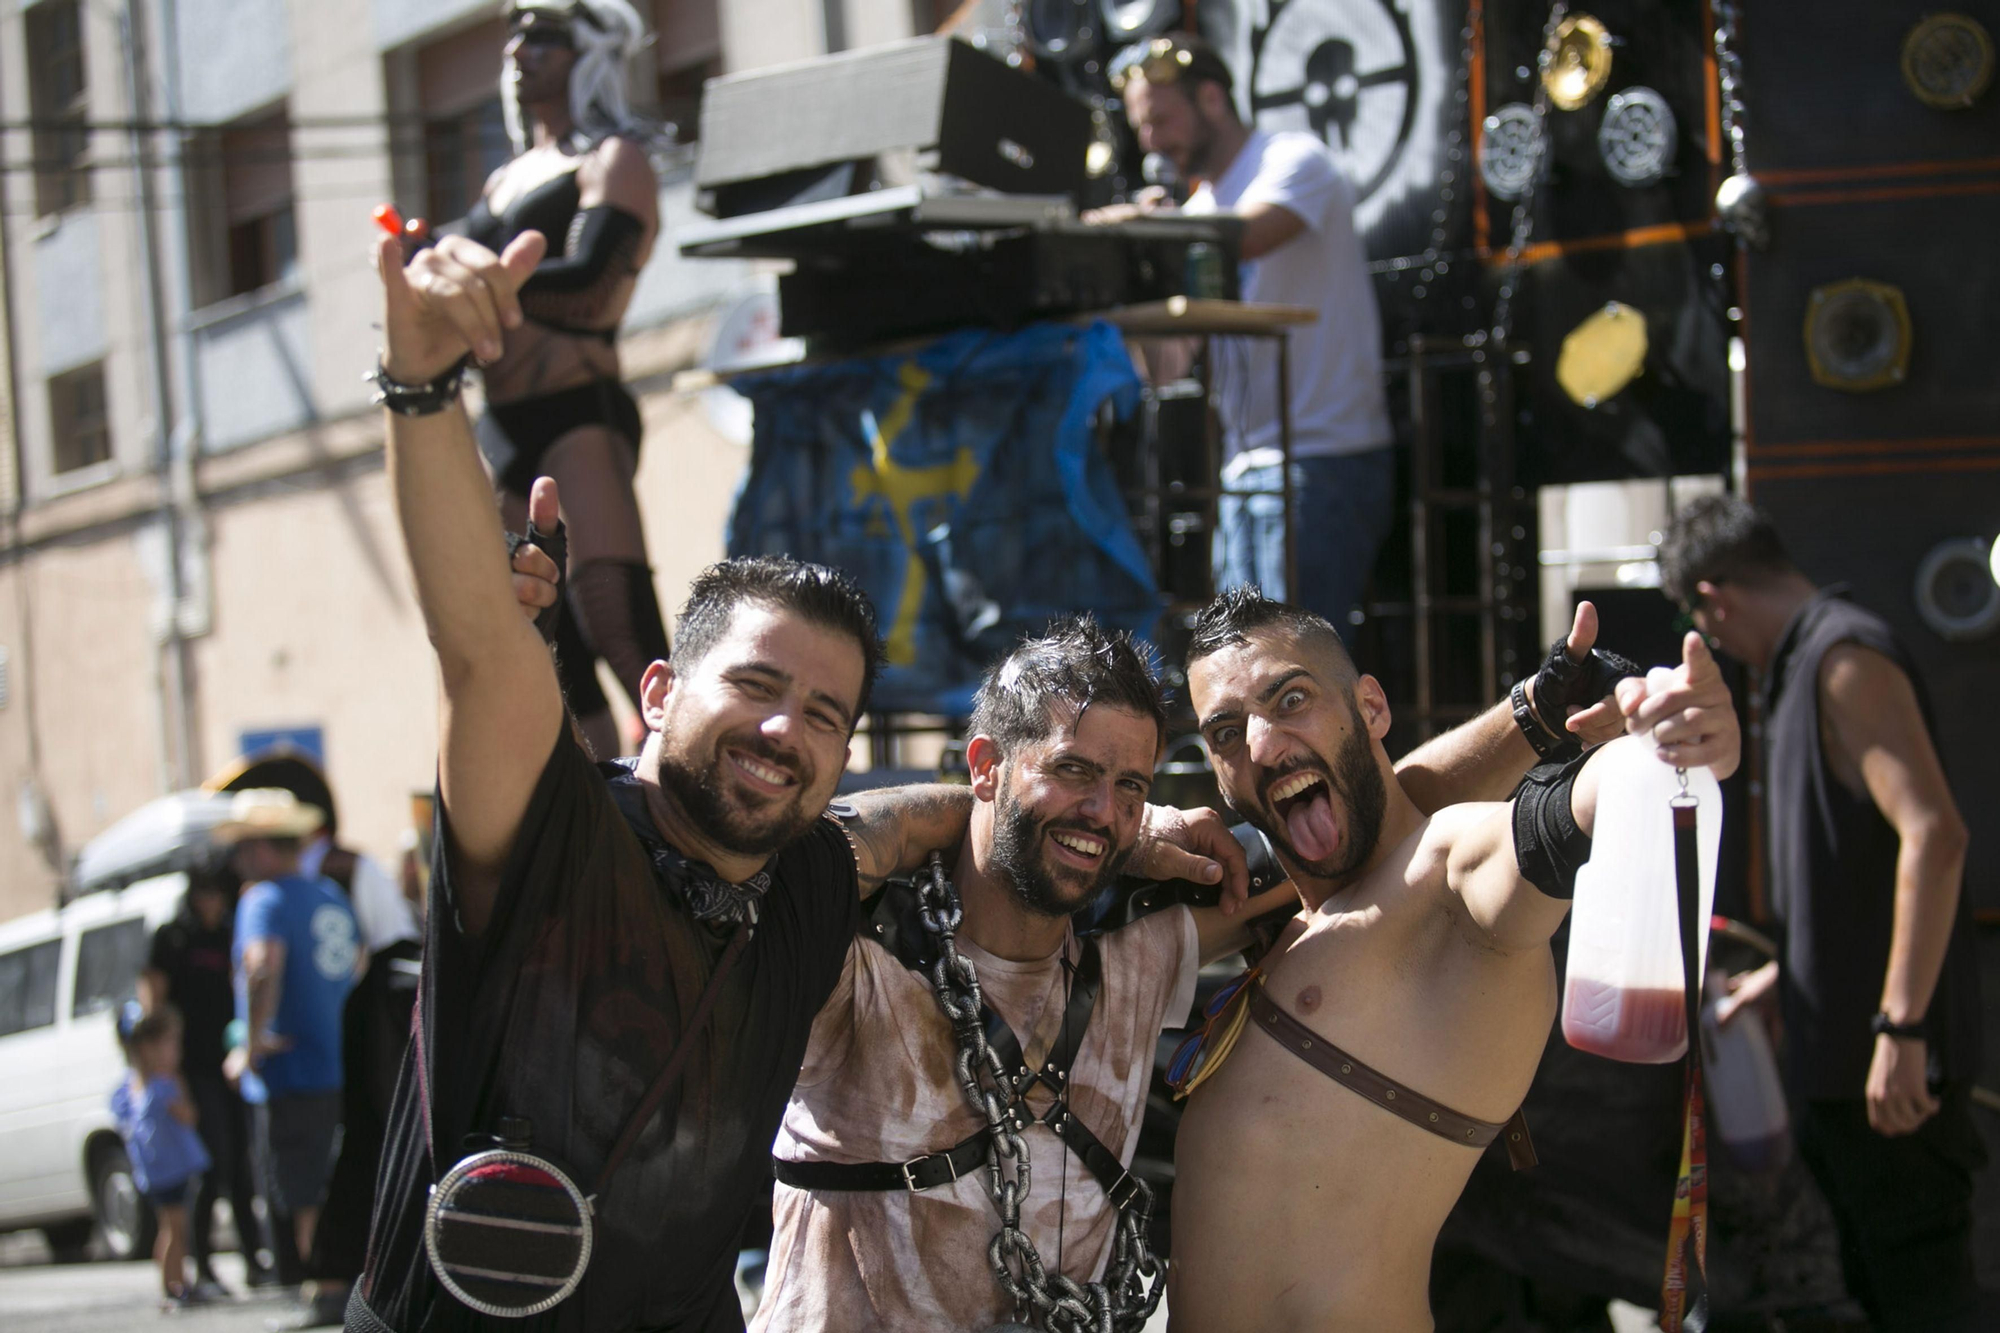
1561 685
555 545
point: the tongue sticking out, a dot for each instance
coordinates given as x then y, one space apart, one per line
1309 824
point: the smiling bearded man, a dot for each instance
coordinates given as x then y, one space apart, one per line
882 1218
1309 1186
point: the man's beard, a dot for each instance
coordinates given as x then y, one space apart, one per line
701 791
1018 853
1358 784
1201 148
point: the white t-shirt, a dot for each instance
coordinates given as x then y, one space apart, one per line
878 1086
1338 405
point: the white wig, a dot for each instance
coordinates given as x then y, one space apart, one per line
606 34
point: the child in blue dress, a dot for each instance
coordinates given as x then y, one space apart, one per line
156 1119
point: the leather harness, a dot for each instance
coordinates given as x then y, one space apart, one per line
891 919
1398 1099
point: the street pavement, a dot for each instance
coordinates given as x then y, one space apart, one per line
38 1295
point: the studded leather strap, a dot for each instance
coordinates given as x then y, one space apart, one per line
1385 1092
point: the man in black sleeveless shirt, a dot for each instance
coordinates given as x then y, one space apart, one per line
579 912
1876 981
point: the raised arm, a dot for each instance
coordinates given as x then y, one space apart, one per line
500 706
1494 874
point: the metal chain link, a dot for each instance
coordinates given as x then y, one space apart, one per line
1523 222
1131 1289
1729 77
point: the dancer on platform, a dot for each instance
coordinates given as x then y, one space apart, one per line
554 404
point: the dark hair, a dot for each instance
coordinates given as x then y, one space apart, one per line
1075 661
1234 615
1720 539
825 596
148 1028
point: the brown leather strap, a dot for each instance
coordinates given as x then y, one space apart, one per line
1386 1092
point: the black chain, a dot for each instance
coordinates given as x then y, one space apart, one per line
1132 1286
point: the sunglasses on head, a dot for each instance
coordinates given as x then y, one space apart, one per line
1164 60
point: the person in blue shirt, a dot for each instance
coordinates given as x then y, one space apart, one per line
156 1119
296 954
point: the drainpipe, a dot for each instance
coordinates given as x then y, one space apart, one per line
176 704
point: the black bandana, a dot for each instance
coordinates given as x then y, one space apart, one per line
708 897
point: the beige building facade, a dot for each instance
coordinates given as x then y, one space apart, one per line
197 544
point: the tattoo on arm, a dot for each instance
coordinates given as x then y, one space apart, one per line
894 828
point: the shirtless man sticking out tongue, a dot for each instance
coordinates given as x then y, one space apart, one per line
1401 1016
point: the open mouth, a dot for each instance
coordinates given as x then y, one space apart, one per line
761 776
1074 847
1304 805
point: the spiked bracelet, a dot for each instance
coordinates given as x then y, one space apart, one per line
418 400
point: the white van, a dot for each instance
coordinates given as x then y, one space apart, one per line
63 975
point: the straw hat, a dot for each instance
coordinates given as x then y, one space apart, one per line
266 812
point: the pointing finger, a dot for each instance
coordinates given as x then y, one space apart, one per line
1700 662
543 506
1582 632
389 265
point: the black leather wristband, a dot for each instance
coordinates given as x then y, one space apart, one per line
1883 1026
1548 746
418 400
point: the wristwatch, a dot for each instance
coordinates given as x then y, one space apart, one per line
1883 1026
1547 744
418 400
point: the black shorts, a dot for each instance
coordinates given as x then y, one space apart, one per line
295 1140
515 436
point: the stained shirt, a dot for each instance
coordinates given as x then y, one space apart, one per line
878 1086
564 1010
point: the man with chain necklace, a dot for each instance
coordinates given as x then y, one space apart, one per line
925 1184
1345 1093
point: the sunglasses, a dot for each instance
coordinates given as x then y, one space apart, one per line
545 34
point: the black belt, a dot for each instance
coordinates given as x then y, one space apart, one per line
970 1154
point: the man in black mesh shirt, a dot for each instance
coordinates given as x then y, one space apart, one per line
578 910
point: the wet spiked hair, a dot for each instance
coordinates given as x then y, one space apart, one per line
1720 539
1073 664
1234 615
818 593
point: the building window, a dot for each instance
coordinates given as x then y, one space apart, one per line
77 418
460 152
242 226
689 44
58 100
457 91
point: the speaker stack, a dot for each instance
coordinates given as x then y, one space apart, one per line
1872 328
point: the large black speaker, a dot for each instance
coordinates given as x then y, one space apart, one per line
1873 401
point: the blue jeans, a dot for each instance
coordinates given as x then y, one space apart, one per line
1342 510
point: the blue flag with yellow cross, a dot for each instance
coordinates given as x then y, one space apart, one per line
962 485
